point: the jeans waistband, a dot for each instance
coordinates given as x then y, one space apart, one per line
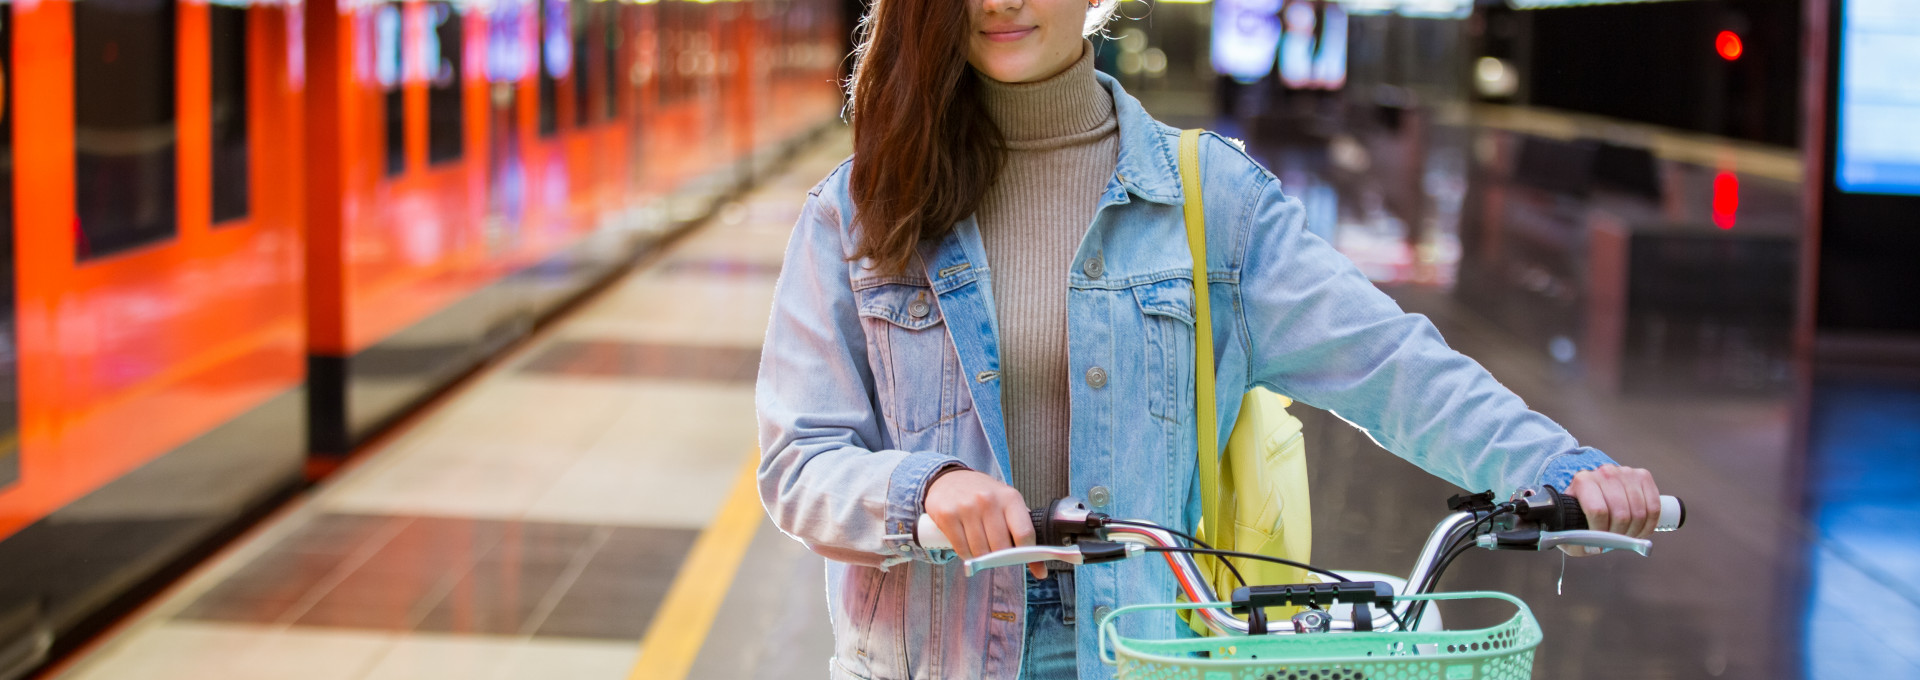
1056 588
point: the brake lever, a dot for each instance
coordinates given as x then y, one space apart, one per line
1548 540
1084 552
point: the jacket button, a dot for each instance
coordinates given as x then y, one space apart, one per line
1097 377
1100 613
1094 267
1099 496
919 308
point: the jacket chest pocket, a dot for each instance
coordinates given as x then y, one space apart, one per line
915 368
1166 317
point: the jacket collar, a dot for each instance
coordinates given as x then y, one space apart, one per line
1149 164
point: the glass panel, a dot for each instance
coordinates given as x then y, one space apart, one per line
582 92
125 134
443 51
684 46
9 359
231 188
556 61
387 69
610 70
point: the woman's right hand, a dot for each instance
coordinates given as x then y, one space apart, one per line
979 515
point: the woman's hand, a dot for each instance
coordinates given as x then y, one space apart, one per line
1622 500
979 515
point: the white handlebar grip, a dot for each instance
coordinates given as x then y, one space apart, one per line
929 536
1673 513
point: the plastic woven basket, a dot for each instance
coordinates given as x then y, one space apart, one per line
1502 652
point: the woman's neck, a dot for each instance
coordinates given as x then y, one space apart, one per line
1065 104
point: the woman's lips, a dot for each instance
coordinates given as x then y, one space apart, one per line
1007 34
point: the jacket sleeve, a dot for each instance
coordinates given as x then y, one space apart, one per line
1320 332
821 478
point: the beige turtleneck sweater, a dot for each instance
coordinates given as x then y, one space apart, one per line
1062 144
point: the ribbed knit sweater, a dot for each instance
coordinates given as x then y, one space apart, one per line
1062 144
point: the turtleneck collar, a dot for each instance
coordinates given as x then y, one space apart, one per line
1067 106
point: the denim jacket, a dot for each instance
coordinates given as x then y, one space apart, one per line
871 382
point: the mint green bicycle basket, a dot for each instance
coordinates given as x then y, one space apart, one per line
1502 652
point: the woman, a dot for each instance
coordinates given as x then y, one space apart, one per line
989 306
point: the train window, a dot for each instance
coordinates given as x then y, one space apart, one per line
387 69
668 64
681 60
610 61
556 61
231 187
125 135
442 52
582 57
9 403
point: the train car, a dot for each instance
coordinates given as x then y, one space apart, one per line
156 346
478 164
245 234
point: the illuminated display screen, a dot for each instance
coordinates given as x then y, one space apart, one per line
1246 35
1879 99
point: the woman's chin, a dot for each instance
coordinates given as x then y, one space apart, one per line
1012 69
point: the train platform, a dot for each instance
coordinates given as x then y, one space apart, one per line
418 339
578 509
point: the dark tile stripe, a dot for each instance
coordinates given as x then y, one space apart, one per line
607 358
726 268
457 575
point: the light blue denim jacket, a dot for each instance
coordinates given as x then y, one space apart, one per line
871 382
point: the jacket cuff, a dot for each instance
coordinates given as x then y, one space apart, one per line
1561 467
906 498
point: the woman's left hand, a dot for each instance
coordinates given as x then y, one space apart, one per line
1622 500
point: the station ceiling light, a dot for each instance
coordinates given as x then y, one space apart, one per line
1544 4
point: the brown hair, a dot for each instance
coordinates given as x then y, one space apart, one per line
925 152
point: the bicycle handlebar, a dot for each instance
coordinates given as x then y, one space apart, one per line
1561 522
1544 519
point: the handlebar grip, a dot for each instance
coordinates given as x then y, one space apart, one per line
1673 514
929 536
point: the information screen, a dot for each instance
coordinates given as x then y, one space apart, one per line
1879 98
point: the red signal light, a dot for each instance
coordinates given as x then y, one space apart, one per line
1726 199
1728 45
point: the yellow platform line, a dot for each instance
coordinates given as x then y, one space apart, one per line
685 616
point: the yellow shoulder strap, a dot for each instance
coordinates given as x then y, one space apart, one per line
1206 415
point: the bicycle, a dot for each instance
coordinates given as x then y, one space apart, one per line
1338 635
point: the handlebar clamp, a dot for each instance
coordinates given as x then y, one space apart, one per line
1253 600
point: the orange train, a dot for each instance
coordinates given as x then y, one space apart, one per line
247 234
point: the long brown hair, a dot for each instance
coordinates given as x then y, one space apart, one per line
925 152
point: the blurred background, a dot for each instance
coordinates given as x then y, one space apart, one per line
356 339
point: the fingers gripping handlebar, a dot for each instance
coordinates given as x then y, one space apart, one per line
1557 511
1061 523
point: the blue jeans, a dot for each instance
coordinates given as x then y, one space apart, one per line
1049 652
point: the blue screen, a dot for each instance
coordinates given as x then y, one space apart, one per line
1879 98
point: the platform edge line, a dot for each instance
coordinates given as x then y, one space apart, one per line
680 626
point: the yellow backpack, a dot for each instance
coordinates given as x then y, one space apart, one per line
1257 492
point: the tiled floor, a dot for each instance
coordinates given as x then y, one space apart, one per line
529 525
